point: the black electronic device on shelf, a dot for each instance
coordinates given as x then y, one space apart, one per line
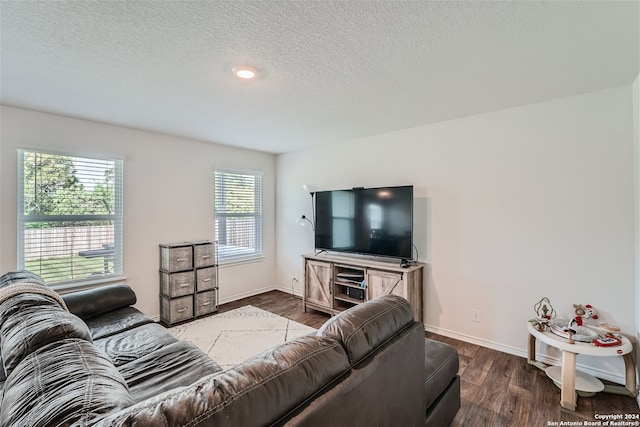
357 293
368 221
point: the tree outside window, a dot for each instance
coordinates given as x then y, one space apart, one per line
70 216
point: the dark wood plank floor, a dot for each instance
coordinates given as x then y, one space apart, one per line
282 304
497 389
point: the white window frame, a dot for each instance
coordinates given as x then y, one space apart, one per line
117 217
228 254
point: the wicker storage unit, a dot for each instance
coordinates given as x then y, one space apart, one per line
188 281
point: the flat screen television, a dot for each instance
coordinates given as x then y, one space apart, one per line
368 221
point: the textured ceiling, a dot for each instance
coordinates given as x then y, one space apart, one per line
329 70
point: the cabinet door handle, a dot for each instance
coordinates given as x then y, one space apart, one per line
182 310
181 259
206 256
183 285
206 303
207 280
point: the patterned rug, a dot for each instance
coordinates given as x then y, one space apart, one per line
233 336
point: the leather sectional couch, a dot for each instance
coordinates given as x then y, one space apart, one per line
105 363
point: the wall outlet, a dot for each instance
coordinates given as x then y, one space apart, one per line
475 315
294 279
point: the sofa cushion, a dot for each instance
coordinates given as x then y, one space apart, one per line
365 327
132 344
29 321
175 365
68 382
116 321
441 367
254 393
94 302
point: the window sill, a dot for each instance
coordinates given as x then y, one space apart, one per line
79 285
240 261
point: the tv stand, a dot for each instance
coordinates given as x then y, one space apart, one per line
333 283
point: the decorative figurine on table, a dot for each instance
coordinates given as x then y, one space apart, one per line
584 312
570 333
609 340
575 328
545 312
581 327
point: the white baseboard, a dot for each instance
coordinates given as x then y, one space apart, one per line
520 352
256 292
288 290
244 295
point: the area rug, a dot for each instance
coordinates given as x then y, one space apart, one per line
233 336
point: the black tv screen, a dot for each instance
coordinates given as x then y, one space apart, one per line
371 221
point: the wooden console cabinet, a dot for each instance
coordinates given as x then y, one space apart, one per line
333 283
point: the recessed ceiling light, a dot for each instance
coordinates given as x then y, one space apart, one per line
244 71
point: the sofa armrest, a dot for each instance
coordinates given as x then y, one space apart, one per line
94 302
19 276
55 374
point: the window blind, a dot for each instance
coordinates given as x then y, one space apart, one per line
238 215
69 216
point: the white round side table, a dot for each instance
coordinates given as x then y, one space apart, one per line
568 369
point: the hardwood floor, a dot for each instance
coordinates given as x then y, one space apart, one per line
497 389
500 389
282 304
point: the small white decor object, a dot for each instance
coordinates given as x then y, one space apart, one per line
582 333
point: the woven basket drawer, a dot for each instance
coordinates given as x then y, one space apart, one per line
176 310
206 303
176 258
177 284
205 279
204 255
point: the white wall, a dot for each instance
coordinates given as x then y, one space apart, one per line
636 180
168 194
510 207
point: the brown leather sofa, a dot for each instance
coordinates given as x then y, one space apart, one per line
105 363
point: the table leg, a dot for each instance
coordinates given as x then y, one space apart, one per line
568 392
630 374
531 354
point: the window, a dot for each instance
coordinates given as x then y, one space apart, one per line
238 215
69 217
